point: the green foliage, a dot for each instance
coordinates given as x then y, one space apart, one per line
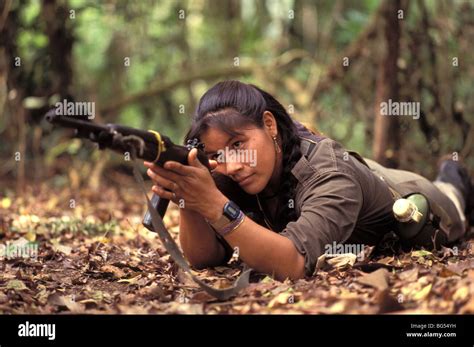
164 48
88 226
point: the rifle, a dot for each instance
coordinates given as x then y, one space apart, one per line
154 147
151 146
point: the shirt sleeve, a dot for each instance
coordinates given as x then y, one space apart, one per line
329 212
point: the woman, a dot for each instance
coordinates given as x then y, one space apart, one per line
277 191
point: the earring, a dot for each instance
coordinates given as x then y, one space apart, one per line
277 147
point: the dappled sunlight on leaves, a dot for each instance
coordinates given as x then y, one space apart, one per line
97 258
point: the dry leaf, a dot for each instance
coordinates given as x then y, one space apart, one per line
16 285
409 275
132 280
282 299
65 301
117 272
445 272
340 261
423 293
386 260
60 248
461 294
377 279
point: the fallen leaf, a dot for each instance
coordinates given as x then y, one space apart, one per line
461 294
377 279
446 272
341 306
16 285
423 293
339 261
386 260
132 280
30 236
154 291
65 301
202 296
282 299
115 271
421 254
409 275
462 265
60 248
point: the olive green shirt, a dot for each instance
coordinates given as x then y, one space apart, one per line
340 199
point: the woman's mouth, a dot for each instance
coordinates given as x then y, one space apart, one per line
245 181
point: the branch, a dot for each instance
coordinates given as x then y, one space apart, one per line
209 74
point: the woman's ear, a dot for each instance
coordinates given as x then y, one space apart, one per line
270 123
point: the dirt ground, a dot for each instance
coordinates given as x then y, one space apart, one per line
93 256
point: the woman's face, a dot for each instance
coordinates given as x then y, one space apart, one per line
249 158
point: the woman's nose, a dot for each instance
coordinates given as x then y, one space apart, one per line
232 167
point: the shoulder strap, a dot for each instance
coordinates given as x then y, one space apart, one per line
174 251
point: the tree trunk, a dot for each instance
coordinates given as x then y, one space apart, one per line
56 17
386 143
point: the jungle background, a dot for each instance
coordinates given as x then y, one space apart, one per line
145 64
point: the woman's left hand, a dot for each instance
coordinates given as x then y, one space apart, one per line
193 186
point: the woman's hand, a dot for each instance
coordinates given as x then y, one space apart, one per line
189 186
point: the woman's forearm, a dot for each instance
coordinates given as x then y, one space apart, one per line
267 251
198 240
260 248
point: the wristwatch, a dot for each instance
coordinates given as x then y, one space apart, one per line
230 213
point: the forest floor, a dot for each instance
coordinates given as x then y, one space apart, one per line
94 257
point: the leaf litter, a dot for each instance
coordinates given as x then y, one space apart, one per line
98 259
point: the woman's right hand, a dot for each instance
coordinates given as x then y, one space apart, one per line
192 183
162 183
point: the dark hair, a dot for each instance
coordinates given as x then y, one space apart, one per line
229 105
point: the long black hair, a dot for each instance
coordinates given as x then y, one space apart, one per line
229 105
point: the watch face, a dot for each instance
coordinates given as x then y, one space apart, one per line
231 210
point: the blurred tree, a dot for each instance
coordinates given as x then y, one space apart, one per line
330 63
386 144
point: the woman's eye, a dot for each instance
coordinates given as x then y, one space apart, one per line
237 144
